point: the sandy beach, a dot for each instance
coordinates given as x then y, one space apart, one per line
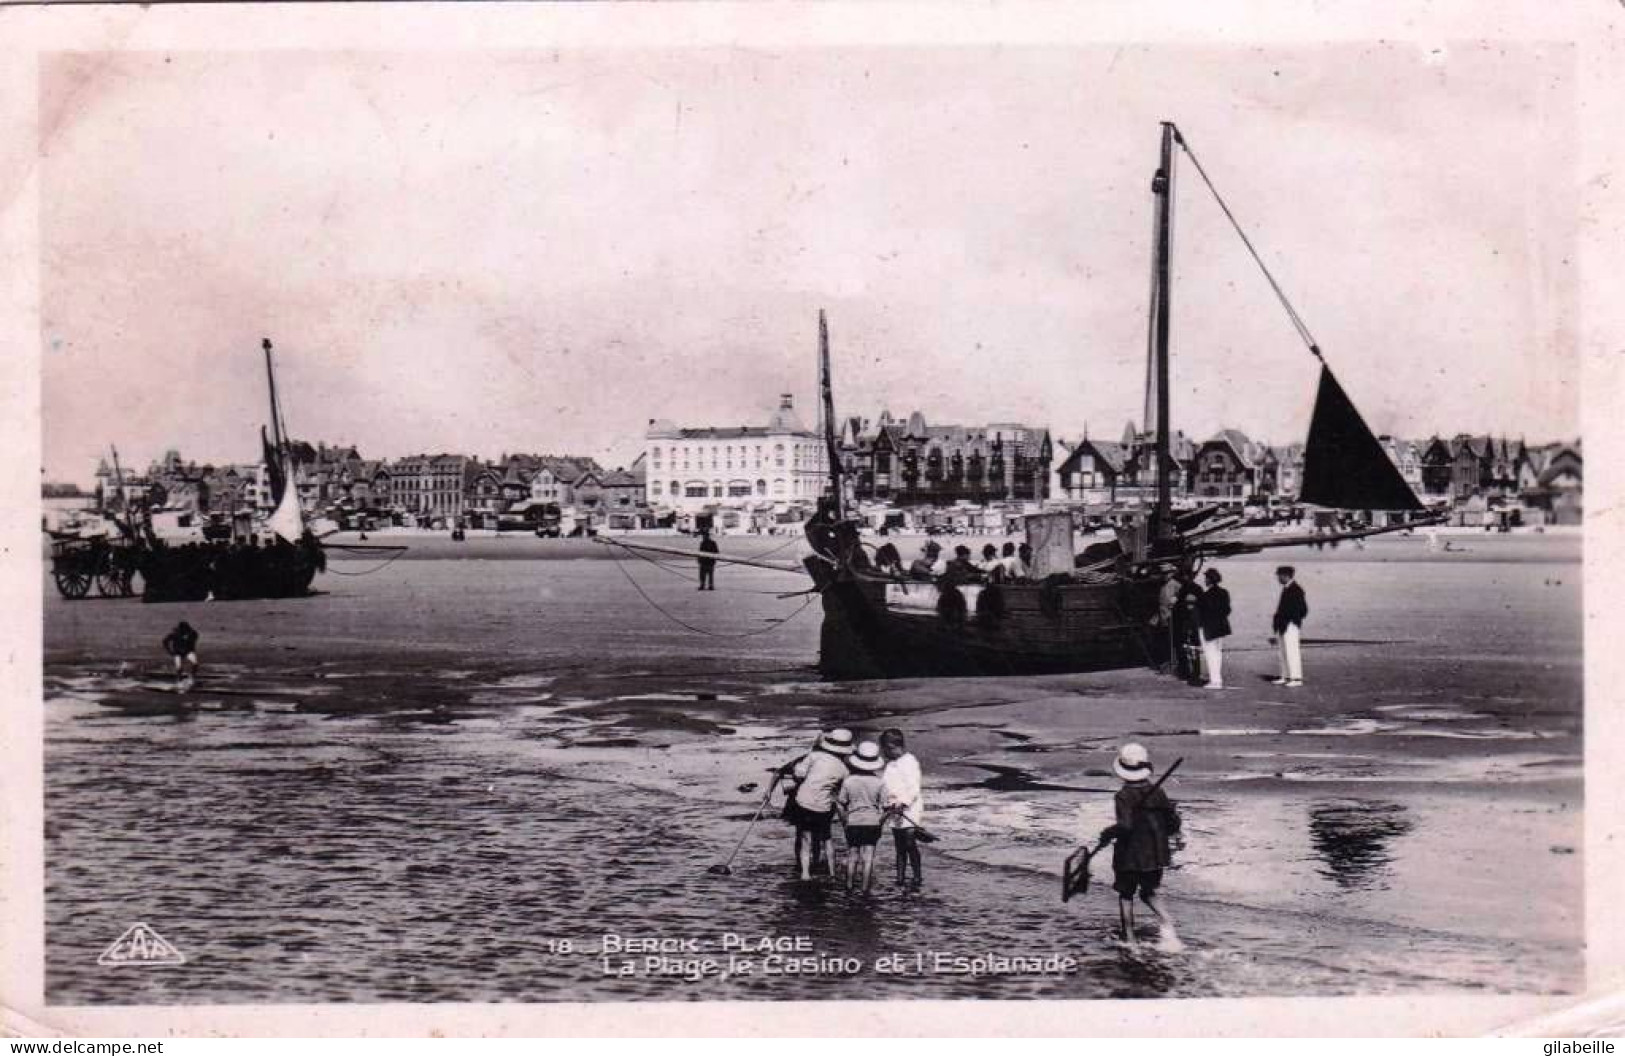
422 782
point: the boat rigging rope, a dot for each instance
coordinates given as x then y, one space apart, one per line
666 566
772 625
390 560
1292 313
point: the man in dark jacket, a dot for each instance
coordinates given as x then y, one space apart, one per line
1290 612
1176 620
1213 623
708 566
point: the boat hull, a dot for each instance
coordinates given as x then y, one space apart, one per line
874 630
231 572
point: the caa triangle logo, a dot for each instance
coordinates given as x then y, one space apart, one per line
141 945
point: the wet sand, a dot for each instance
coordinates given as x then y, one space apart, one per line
404 787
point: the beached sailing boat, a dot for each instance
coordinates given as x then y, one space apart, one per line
278 558
1075 612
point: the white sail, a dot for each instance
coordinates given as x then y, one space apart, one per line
287 520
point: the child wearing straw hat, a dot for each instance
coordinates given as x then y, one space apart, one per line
1146 819
862 804
820 775
785 777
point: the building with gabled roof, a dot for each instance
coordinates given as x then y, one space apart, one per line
1406 455
1229 467
912 462
1094 470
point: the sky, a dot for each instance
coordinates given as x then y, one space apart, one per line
541 251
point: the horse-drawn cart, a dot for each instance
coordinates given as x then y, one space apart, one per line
80 564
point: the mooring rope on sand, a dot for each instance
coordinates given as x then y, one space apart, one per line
772 625
368 571
667 567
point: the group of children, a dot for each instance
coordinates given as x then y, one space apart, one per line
867 786
870 785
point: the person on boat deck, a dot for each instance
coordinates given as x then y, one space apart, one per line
820 527
1140 838
1290 612
990 565
1213 626
821 774
928 564
181 643
861 804
1014 567
905 801
708 566
962 569
1024 553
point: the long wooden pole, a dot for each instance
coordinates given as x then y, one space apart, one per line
276 412
827 413
123 500
1162 185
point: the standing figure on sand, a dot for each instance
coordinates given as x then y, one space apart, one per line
1173 637
1290 612
819 775
1213 626
905 803
708 565
862 806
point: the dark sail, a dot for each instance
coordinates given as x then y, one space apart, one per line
1343 465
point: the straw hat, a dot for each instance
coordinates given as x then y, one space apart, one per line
867 758
837 742
1133 763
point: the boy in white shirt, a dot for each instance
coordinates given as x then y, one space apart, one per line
904 798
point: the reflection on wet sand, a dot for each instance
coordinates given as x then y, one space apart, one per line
1352 840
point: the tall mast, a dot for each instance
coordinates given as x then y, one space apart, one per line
276 410
118 475
1162 186
118 485
826 412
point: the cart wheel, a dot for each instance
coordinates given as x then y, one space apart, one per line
110 584
73 584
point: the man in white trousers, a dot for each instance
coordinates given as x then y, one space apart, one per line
1213 624
1290 612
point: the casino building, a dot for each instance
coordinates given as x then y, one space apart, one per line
746 466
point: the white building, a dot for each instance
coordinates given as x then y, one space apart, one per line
776 464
